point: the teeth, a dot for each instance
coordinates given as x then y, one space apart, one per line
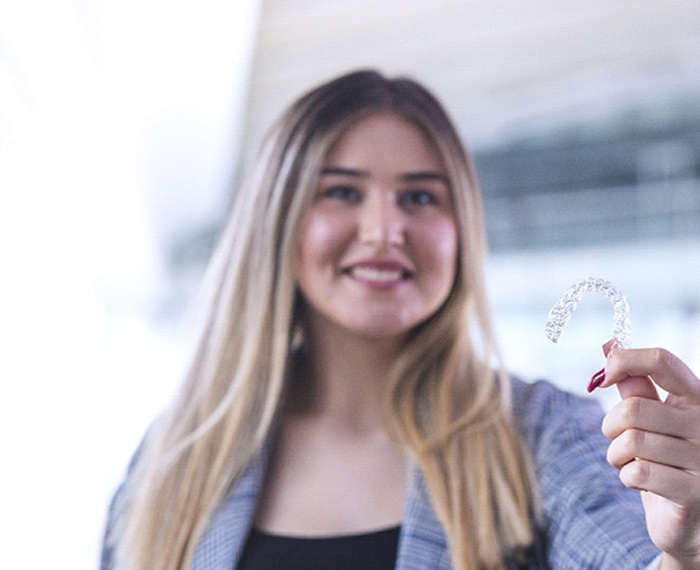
383 275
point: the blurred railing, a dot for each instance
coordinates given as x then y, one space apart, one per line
666 209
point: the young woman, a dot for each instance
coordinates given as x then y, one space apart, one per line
343 409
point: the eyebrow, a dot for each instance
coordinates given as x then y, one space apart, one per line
339 171
420 176
427 176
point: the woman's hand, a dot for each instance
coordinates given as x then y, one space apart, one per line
656 445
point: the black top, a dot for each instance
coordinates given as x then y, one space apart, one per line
368 551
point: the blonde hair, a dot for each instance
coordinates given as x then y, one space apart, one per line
447 404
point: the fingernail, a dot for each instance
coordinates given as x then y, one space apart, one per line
596 380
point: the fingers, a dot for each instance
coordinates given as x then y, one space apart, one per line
636 444
641 386
666 370
638 386
656 445
648 415
665 465
674 484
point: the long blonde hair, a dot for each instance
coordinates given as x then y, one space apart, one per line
447 404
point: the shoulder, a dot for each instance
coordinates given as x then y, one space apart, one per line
591 519
540 408
562 432
544 396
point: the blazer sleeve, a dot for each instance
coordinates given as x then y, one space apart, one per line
108 540
116 507
590 519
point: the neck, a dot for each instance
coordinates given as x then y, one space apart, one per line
348 375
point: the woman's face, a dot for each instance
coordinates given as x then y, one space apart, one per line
377 250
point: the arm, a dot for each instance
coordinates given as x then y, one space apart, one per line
116 506
107 555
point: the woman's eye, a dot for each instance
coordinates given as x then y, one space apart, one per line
417 198
346 193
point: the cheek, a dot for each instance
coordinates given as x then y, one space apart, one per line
444 246
318 232
448 242
320 239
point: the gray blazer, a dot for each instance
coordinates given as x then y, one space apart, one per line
590 520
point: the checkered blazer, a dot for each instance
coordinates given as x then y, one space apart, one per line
591 521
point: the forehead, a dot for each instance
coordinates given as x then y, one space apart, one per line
384 141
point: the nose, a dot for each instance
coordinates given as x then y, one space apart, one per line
381 221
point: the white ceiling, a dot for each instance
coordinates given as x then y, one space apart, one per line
498 64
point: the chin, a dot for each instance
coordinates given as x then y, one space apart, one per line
383 328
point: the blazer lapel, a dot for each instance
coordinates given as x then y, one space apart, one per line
422 542
222 543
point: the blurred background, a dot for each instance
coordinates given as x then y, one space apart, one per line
125 125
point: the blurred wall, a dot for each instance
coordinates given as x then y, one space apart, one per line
118 128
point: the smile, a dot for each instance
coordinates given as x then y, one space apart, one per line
380 275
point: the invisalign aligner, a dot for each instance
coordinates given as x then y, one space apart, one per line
561 312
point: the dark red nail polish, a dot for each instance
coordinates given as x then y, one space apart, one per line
597 379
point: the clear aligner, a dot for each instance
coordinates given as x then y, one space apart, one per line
561 313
